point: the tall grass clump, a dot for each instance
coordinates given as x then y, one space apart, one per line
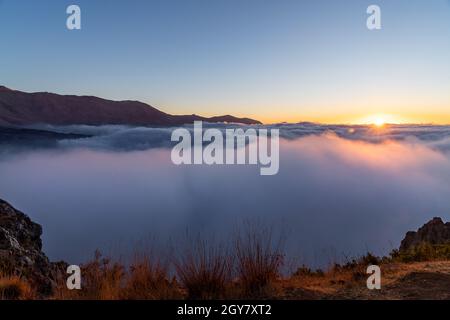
147 279
259 262
204 271
101 279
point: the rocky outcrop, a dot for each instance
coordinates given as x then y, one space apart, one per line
433 232
21 250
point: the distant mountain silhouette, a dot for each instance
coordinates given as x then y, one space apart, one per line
21 108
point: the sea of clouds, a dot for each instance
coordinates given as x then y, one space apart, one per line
128 138
340 190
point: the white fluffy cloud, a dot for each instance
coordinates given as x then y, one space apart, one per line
335 194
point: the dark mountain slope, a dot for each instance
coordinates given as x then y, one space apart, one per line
21 108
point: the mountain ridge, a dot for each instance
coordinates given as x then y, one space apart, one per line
18 108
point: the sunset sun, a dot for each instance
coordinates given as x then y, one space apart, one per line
379 122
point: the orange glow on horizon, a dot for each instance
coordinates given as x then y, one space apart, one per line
378 120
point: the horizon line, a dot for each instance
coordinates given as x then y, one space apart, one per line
267 123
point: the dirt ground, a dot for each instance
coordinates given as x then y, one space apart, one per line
422 281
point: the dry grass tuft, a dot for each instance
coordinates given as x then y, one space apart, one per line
148 280
103 279
258 263
205 271
15 288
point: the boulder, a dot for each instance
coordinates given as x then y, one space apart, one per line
433 232
21 250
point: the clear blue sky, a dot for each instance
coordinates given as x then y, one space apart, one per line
271 60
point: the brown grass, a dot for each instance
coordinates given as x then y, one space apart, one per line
101 280
15 288
258 263
251 269
104 279
205 271
148 280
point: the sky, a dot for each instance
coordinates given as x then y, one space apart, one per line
270 60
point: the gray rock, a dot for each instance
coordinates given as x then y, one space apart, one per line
433 232
21 250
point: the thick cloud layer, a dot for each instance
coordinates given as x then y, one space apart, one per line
339 192
124 138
